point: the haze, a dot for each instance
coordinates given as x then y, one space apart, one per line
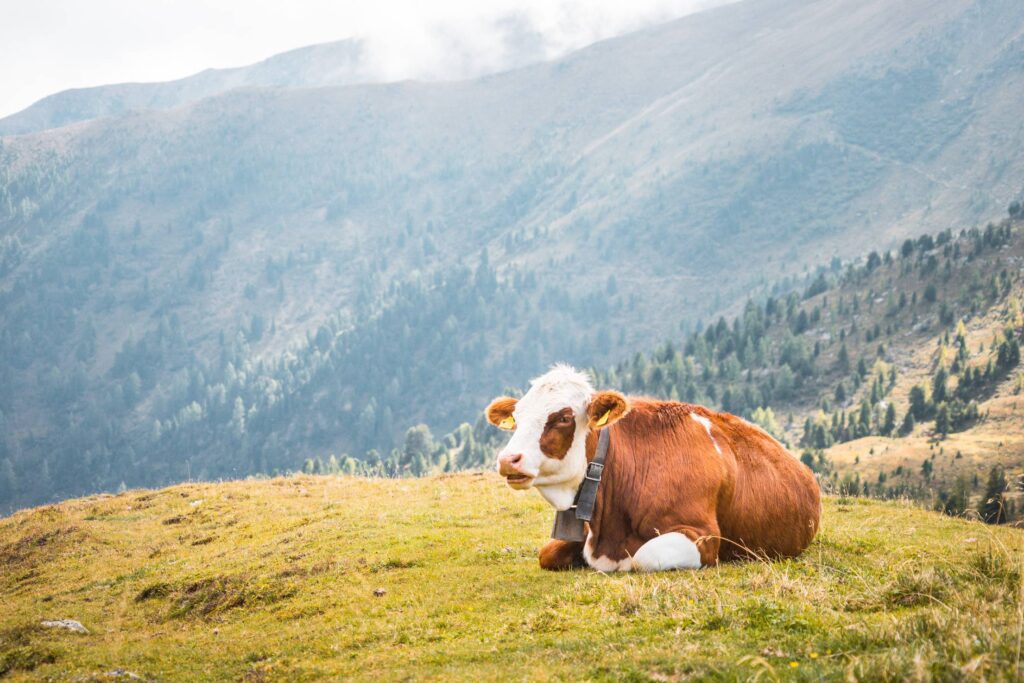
54 45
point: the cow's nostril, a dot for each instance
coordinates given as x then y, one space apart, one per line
509 463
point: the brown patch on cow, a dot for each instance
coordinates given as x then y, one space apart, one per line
606 403
500 409
558 555
663 475
559 430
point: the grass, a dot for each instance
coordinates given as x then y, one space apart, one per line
309 578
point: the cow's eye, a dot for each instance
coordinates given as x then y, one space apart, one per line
565 419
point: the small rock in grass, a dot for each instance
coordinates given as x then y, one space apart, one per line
379 592
68 624
124 673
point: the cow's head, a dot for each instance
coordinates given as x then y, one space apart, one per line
548 448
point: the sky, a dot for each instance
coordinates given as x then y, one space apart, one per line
51 45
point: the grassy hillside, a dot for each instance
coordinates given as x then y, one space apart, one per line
305 578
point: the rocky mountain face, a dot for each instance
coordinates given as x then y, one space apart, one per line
227 286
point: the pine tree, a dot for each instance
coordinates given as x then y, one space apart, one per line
890 420
238 417
1008 354
939 385
919 403
843 360
943 423
908 423
419 442
864 418
993 508
960 498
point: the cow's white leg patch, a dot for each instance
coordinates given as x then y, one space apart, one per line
602 563
668 551
707 425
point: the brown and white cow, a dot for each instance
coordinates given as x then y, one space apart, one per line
683 486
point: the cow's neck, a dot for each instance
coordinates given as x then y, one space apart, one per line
560 496
591 446
604 494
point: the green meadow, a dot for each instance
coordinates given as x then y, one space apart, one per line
312 578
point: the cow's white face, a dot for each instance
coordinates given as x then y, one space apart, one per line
548 448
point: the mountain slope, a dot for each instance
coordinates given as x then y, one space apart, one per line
337 63
154 265
312 578
898 375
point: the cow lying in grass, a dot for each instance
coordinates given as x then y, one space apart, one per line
681 488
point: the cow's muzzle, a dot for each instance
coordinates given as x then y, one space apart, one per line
510 467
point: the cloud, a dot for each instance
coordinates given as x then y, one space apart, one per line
52 45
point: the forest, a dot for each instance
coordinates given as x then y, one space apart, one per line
340 400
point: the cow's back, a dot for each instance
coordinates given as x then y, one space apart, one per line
775 505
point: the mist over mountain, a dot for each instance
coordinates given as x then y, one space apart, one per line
386 43
337 63
228 286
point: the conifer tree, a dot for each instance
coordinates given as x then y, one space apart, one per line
890 419
908 423
939 383
843 359
943 423
993 508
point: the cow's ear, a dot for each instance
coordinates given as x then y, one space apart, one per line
499 413
606 407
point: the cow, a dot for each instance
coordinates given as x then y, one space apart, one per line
682 486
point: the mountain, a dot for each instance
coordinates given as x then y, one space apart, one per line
338 63
342 578
267 276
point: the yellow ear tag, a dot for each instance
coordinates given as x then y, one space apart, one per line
603 420
508 423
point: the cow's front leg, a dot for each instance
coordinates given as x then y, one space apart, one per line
557 555
684 548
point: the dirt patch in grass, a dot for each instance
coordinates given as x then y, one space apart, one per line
34 548
156 590
316 569
19 653
391 565
211 595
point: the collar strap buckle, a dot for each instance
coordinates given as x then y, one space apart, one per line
586 495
